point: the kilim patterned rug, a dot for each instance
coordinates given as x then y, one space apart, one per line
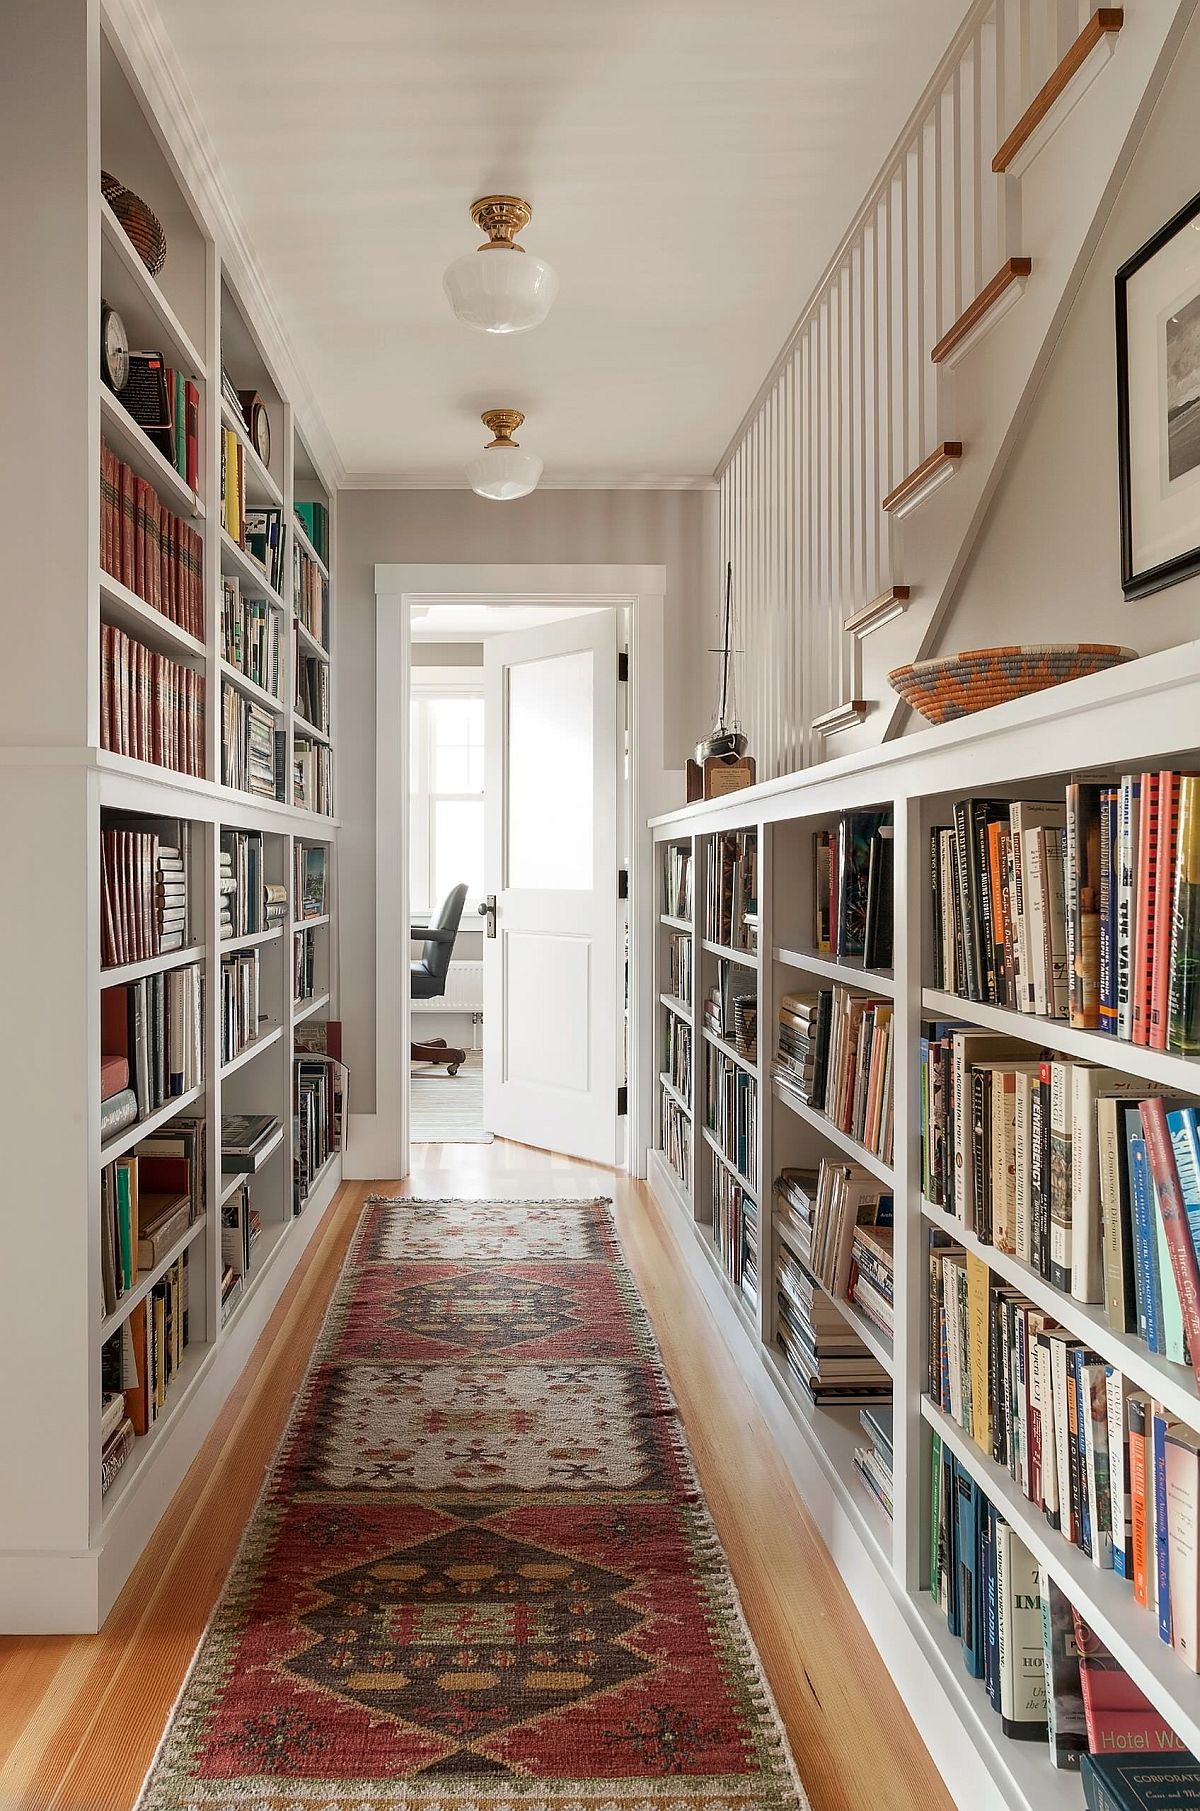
481 1574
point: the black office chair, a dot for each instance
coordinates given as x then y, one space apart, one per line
428 973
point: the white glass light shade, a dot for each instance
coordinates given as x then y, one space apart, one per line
501 289
503 472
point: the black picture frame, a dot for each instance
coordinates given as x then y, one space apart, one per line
1183 565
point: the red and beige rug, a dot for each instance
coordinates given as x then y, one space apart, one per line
482 1573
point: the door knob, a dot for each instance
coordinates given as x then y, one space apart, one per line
487 909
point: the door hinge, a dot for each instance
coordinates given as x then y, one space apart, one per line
622 883
622 1100
623 664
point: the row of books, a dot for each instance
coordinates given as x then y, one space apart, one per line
148 1199
831 1203
1104 1462
151 707
314 520
312 690
735 1232
304 966
320 1092
252 636
677 1056
874 1461
872 1285
249 902
1045 1672
240 1002
141 1359
248 745
154 1028
731 890
312 775
731 1008
853 866
263 541
116 1437
1086 909
241 1229
676 1138
143 896
835 1052
731 1107
310 868
1089 1176
821 1351
310 595
679 970
677 879
166 406
150 550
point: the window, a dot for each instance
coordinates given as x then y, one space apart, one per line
445 788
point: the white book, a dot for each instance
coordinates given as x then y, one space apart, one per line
1023 1162
950 1300
1098 1483
1118 1484
1016 917
1027 817
1021 1656
1056 914
1035 917
1183 1511
1088 1084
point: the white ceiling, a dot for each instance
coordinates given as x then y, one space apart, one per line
692 166
475 622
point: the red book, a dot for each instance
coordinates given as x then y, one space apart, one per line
114 1070
1137 1499
1143 936
1164 875
114 1024
191 429
128 525
1171 1205
1120 1718
105 685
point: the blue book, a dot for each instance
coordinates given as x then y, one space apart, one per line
1140 1782
970 1596
1185 1142
1145 1237
1161 1550
991 1655
950 1476
1083 1422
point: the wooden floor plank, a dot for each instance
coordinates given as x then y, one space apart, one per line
80 1717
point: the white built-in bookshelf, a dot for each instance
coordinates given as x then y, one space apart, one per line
66 1544
1142 716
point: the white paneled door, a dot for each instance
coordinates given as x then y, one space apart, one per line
552 1011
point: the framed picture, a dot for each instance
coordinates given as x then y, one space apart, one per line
1158 407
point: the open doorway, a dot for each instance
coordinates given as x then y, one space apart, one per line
518 762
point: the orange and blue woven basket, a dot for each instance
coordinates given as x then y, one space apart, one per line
957 685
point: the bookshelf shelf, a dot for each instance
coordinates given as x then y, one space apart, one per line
858 1153
251 689
261 488
747 958
873 1337
1169 1383
262 1042
148 1278
131 785
304 1009
309 642
125 1140
319 1185
233 1179
196 1361
126 610
670 1089
263 1254
738 1301
675 924
301 535
304 728
127 440
1107 1602
310 924
252 939
680 1008
129 288
727 1163
1167 1067
152 965
848 972
239 564
749 1064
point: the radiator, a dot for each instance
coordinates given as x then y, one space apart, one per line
464 990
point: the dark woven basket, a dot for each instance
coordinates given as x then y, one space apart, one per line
957 685
143 229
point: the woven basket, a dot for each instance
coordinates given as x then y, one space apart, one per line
956 685
143 229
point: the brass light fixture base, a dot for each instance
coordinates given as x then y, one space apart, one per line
503 423
501 217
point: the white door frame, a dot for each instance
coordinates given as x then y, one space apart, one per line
377 1143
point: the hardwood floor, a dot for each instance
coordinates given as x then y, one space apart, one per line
80 1717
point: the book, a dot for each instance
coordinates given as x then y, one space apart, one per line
1021 1657
1119 1716
1066 1722
1181 1497
147 548
243 1138
1131 1782
1175 1222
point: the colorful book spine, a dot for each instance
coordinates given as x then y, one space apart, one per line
1183 988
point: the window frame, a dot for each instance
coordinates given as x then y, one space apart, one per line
428 684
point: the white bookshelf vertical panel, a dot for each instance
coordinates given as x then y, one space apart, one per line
910 1441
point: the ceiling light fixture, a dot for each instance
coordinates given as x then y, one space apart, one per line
509 290
502 471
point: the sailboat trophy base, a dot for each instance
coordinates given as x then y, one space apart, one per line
718 775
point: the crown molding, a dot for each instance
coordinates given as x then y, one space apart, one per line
594 480
143 46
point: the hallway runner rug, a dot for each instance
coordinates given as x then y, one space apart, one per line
481 1574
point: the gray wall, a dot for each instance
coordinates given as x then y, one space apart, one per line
1047 566
447 653
675 529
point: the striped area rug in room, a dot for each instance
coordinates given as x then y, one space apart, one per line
482 1573
448 1109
